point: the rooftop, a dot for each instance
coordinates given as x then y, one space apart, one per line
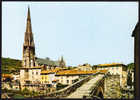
77 72
112 64
50 71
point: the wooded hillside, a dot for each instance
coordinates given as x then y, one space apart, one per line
10 65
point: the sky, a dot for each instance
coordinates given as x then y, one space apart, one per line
81 32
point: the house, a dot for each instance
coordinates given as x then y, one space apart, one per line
48 76
115 69
84 67
68 77
7 77
16 77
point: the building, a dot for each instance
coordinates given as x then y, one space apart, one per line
84 67
62 63
48 76
29 73
16 77
68 77
6 77
47 63
136 36
115 69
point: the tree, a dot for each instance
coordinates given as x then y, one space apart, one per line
60 86
129 79
130 66
25 91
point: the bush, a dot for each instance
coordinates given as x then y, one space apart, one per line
25 91
60 86
18 96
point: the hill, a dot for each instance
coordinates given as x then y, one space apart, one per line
10 65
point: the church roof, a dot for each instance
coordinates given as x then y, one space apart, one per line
47 62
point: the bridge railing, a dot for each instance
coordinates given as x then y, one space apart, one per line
98 83
69 89
64 92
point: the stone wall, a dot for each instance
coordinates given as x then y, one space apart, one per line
66 91
112 87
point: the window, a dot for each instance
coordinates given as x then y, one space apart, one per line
24 62
67 81
31 62
36 73
26 70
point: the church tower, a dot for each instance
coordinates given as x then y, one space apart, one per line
62 63
29 73
28 46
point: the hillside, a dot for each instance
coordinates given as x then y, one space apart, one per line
10 65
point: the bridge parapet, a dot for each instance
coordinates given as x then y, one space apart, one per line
66 91
94 90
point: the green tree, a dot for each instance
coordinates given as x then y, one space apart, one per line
130 66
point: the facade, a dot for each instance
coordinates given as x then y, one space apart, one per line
68 77
48 76
85 67
115 69
16 77
136 36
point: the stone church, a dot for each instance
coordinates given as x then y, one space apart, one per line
30 73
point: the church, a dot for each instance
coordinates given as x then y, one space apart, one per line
30 73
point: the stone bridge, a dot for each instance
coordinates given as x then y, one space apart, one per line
99 85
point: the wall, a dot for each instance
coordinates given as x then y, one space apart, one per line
112 87
66 91
70 78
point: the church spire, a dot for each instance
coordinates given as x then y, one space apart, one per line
28 34
28 46
28 27
62 63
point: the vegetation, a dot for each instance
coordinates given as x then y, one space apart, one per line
18 96
130 66
10 65
60 86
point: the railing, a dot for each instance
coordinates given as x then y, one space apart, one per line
66 91
98 83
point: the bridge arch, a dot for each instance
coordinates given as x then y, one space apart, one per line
100 92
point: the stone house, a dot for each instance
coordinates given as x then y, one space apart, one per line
68 77
84 67
115 69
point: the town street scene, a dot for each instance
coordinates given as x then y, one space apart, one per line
69 50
